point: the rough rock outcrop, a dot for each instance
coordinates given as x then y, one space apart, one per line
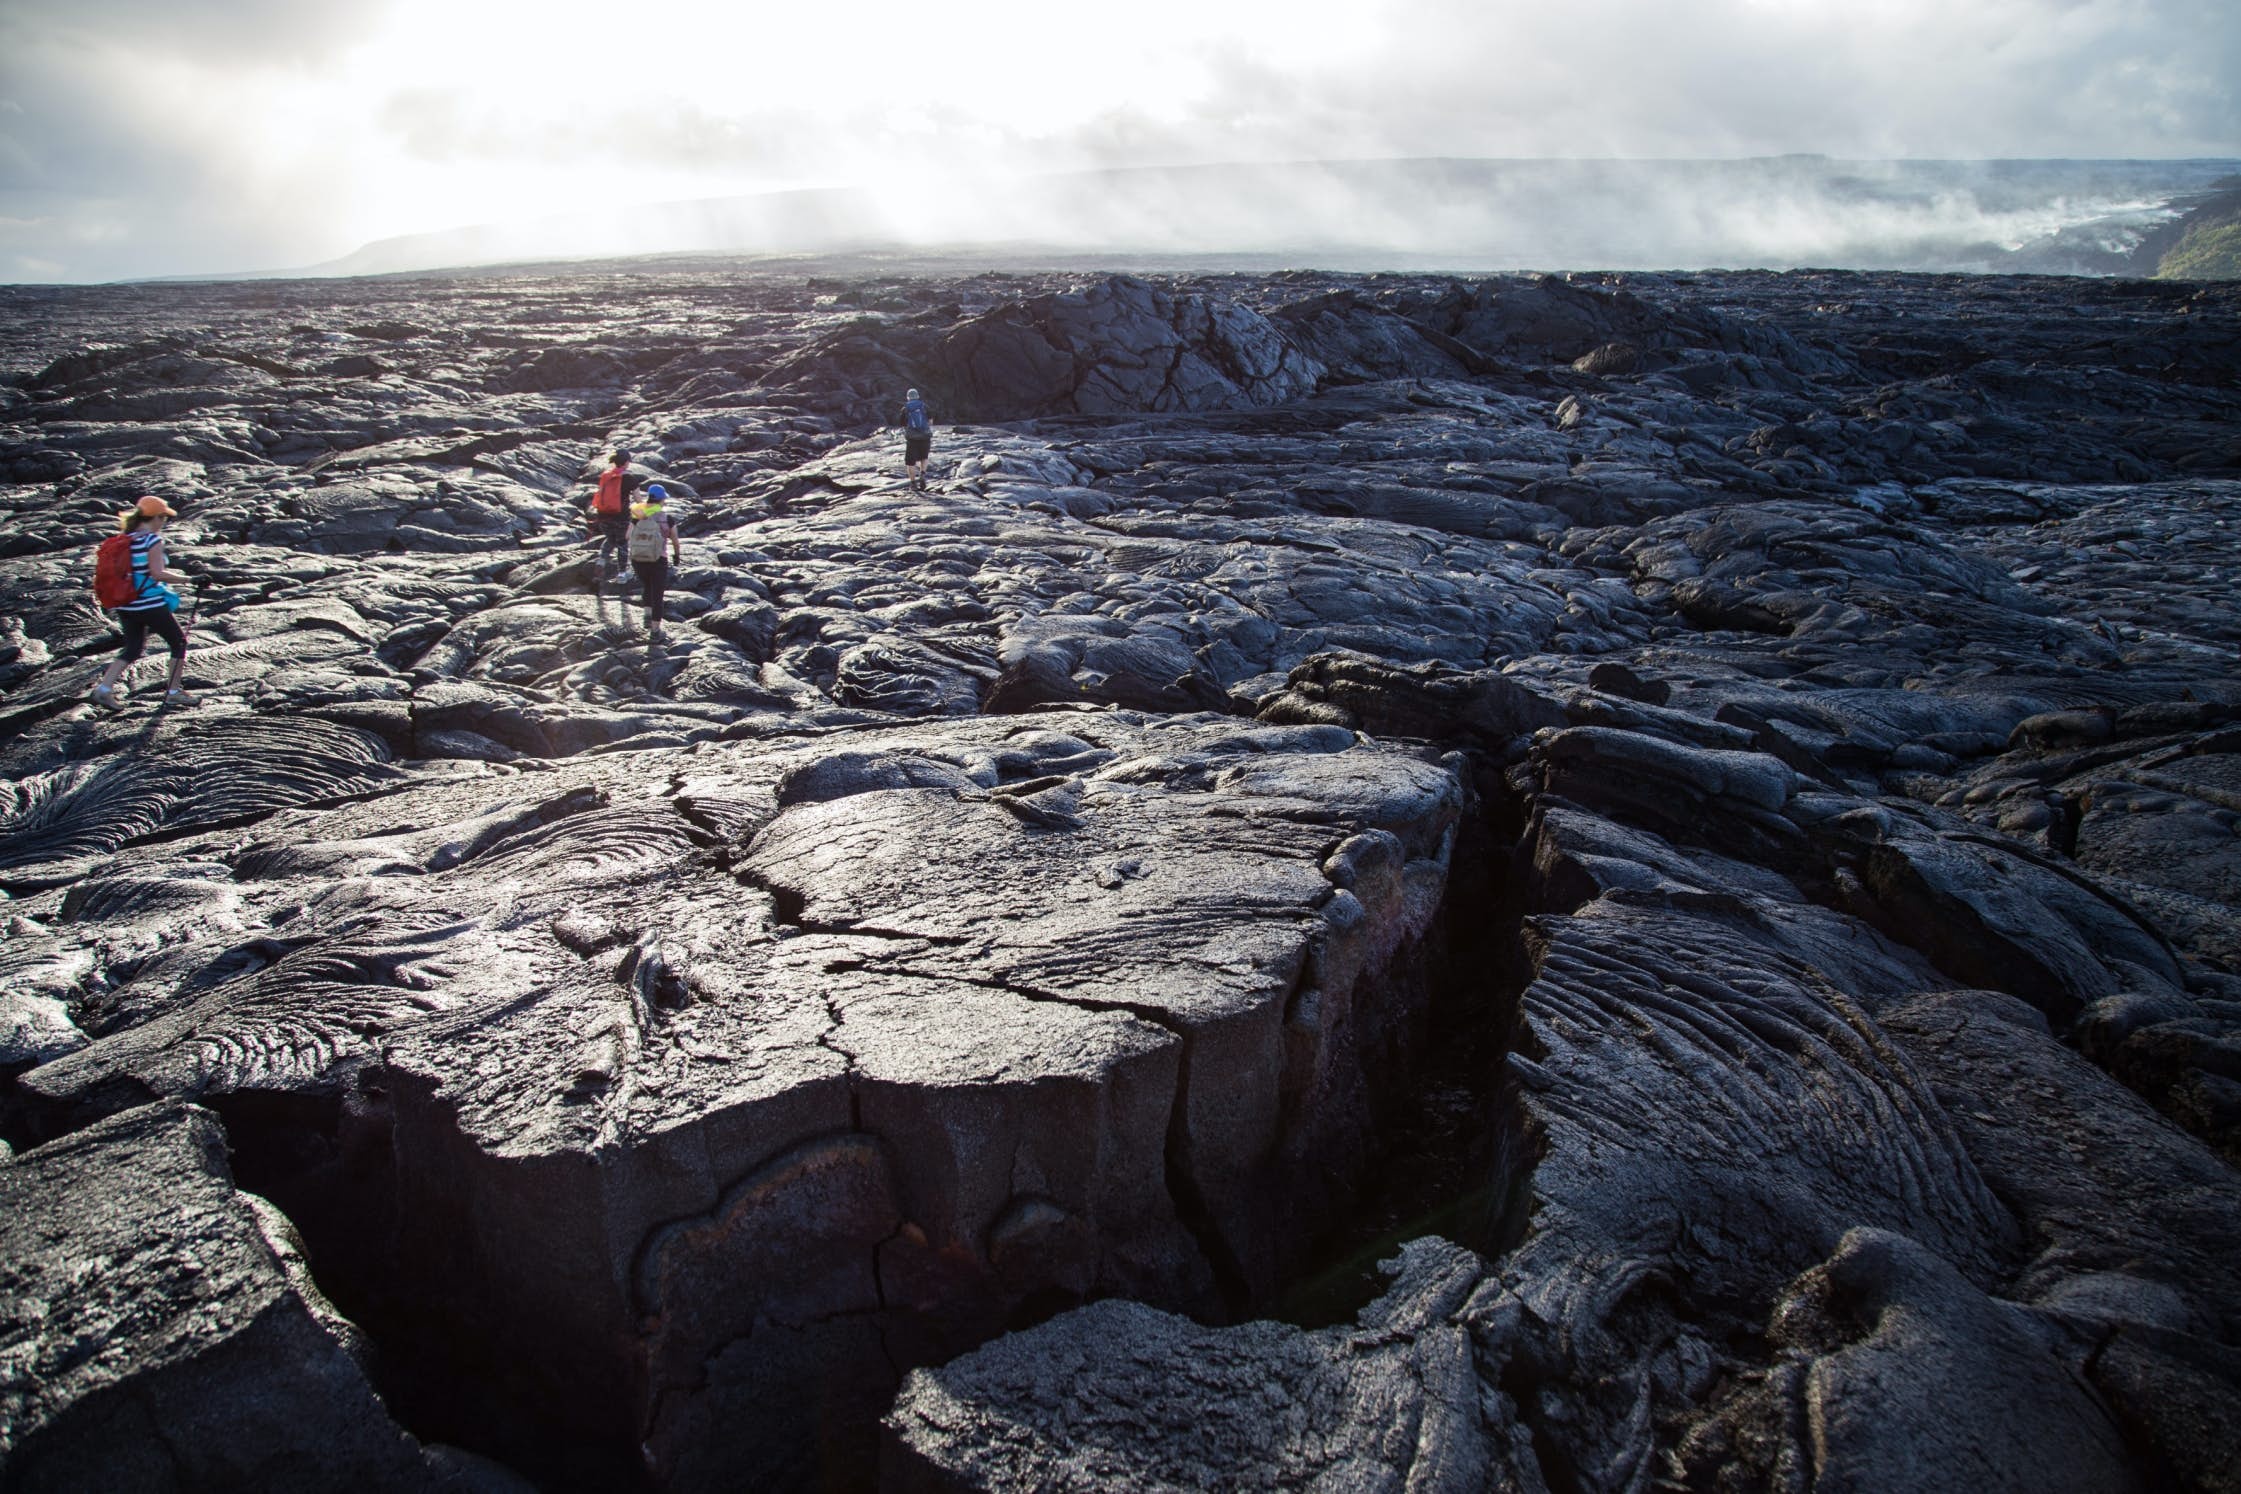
1696 815
156 1335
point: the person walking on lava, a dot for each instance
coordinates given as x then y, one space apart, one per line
609 518
918 439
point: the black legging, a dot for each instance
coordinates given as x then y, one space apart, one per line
140 622
610 532
653 580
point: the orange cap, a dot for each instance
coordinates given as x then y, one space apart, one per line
152 507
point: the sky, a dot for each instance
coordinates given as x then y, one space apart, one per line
163 137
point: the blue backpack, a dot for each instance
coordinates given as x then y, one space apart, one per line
914 418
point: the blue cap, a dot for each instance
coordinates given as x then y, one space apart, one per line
656 491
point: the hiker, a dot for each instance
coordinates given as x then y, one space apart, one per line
128 578
918 438
651 530
609 518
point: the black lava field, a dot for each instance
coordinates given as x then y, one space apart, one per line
1389 883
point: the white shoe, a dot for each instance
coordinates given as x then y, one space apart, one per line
105 696
178 698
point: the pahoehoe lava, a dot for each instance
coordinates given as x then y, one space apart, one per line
1692 816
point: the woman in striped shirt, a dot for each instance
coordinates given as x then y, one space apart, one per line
150 609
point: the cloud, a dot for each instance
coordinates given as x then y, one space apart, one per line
232 31
1764 77
440 127
237 133
146 135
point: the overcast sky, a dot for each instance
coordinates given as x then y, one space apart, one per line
151 137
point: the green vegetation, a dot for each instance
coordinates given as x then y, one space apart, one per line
2205 253
2206 243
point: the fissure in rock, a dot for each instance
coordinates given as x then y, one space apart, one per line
1434 1149
1451 1154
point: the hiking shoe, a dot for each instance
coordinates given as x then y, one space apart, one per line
178 698
105 696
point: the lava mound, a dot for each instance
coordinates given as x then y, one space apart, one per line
1579 883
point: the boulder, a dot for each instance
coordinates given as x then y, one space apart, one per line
154 1338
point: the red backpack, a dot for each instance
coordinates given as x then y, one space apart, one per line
112 572
609 499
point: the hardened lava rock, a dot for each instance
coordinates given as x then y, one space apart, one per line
1692 817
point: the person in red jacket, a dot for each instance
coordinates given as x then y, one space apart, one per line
608 517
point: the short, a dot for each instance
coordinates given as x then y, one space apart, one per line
916 446
140 622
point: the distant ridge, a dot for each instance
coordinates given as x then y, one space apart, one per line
2068 217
